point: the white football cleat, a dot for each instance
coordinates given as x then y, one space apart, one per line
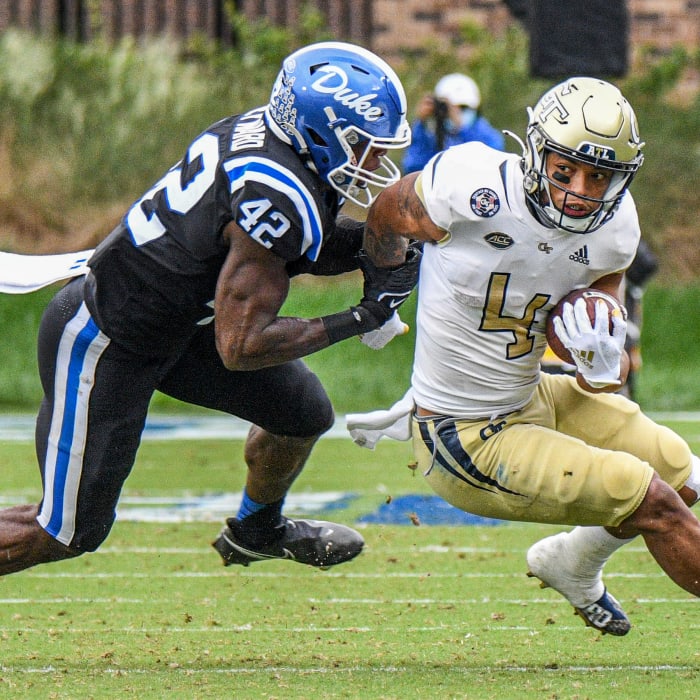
556 567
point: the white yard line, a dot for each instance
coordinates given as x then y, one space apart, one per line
221 573
468 670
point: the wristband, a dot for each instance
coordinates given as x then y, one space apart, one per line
345 324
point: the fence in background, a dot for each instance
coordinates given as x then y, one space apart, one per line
83 20
386 26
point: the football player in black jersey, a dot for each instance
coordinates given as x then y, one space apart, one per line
184 297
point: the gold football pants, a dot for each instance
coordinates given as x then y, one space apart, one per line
568 457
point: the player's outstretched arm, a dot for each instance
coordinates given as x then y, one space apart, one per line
252 286
395 217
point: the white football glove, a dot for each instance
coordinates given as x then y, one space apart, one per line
378 338
596 351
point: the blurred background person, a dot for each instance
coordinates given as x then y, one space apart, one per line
448 117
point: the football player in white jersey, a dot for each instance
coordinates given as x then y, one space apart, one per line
507 236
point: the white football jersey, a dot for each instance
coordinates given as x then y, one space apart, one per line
486 289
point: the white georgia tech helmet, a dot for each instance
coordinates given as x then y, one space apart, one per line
587 120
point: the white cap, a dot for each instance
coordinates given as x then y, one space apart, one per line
458 89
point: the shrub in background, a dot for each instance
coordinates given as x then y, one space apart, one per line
86 128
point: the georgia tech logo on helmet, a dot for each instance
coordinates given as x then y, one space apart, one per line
551 106
334 81
484 202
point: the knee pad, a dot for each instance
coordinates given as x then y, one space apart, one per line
675 459
693 480
623 475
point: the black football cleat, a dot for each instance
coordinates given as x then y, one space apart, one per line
314 542
605 615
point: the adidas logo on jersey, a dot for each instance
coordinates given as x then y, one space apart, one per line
581 256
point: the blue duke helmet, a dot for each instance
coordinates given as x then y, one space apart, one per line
587 120
334 103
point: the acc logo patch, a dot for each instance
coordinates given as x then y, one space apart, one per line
485 202
499 240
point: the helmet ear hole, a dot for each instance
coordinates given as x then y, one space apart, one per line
314 67
316 137
360 69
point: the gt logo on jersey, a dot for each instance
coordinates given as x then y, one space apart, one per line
484 202
499 240
207 319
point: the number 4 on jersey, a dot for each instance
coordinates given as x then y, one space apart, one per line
493 319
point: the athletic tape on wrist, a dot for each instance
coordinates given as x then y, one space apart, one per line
346 324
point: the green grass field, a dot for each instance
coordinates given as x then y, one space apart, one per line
424 612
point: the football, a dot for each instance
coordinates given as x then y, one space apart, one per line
591 296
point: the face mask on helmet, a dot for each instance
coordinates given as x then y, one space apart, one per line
587 121
342 108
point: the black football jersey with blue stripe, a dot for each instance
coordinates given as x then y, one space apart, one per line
153 278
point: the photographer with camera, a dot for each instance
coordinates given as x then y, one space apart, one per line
447 118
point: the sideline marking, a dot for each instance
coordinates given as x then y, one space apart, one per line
218 507
429 509
20 427
208 508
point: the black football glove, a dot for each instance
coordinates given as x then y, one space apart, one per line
385 289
